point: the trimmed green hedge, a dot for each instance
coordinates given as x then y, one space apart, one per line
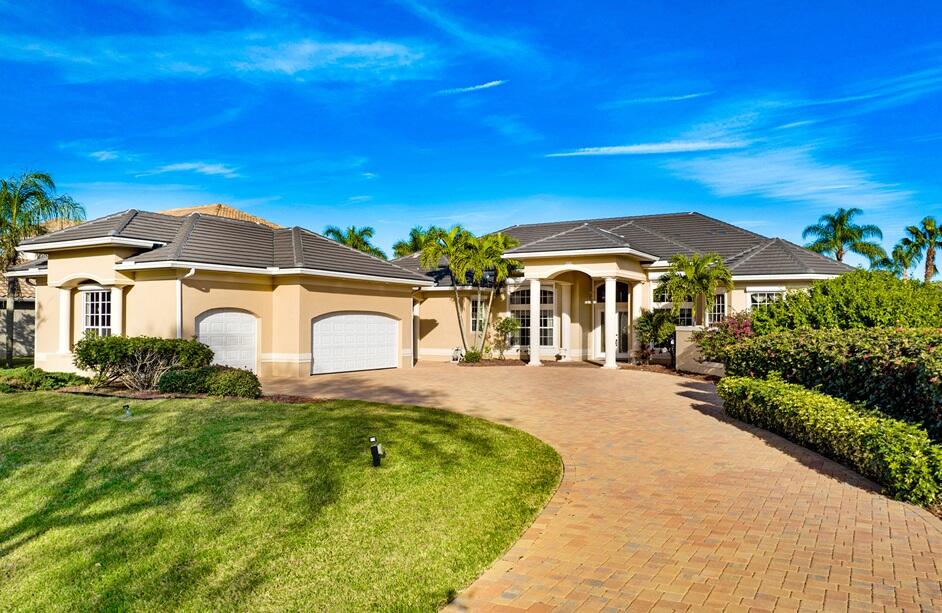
30 379
138 362
895 454
211 380
859 299
896 371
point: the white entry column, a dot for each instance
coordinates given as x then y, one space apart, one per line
611 324
637 292
65 318
565 320
117 311
534 322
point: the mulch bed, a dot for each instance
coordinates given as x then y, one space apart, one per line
516 362
155 395
666 370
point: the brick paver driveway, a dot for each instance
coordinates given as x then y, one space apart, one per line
667 504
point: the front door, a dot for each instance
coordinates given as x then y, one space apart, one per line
622 337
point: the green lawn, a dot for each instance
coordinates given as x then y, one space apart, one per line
216 504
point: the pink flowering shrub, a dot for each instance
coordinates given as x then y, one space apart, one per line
716 342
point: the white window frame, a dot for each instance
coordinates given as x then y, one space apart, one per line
685 314
97 322
777 293
477 318
714 315
547 310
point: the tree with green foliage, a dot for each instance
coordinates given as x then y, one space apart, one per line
694 278
357 238
450 246
418 238
504 329
488 268
924 240
859 299
27 203
899 262
655 329
836 234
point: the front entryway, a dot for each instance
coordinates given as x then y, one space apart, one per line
345 342
622 332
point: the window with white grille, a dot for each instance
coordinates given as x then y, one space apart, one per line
717 311
97 316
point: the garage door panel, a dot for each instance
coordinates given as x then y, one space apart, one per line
354 341
232 337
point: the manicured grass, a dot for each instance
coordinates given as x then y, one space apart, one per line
216 504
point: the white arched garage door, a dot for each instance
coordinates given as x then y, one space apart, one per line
344 342
231 335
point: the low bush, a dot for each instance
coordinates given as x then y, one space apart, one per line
30 379
472 356
896 371
234 382
655 330
211 380
860 299
138 362
895 454
717 341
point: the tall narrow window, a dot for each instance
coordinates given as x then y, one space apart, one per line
97 318
717 311
478 320
520 310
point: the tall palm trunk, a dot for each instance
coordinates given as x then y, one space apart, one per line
487 318
930 262
464 341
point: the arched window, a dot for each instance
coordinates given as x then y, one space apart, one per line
621 292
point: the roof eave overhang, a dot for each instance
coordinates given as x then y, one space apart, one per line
786 277
29 272
86 243
271 271
579 253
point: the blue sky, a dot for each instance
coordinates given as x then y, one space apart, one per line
409 112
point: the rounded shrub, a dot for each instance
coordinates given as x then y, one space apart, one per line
211 380
234 382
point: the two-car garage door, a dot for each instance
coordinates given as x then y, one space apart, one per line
345 342
340 342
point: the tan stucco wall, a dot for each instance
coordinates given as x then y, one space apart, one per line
284 306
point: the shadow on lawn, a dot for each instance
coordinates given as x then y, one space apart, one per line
211 455
710 404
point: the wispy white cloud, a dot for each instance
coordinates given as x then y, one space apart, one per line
654 100
471 88
359 199
203 168
105 155
675 146
878 94
489 44
369 176
241 55
790 174
512 127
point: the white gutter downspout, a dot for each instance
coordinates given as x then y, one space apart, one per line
180 301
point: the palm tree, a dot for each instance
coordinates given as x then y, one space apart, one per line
899 262
487 266
418 237
357 238
695 279
924 240
836 234
452 246
27 203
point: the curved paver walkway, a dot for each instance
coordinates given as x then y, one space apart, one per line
666 504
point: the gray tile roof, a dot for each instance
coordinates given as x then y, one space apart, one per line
208 239
663 236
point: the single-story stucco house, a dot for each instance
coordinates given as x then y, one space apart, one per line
289 302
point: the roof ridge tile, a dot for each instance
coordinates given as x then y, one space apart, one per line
761 247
